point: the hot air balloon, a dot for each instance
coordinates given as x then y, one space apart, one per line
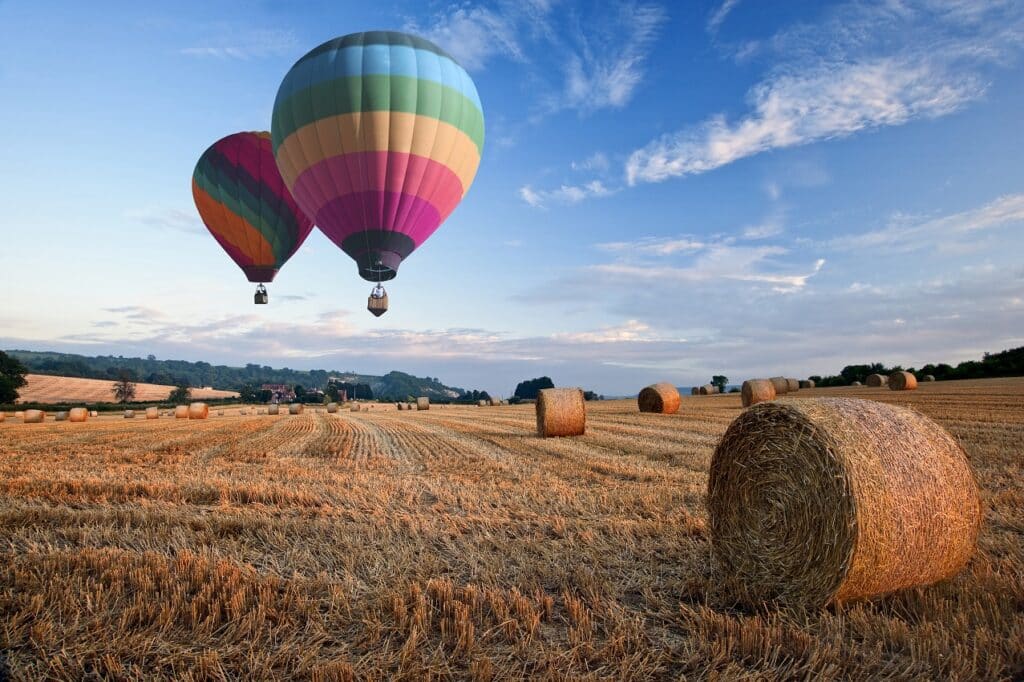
378 135
247 207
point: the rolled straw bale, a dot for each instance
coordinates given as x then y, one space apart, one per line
332 408
877 380
33 417
198 411
220 413
561 412
694 391
354 408
295 408
3 416
61 416
707 389
793 385
661 398
715 389
261 411
835 499
401 406
19 414
78 415
806 383
482 403
422 403
504 402
93 413
495 402
273 409
856 383
902 381
152 413
756 391
781 385
244 411
411 406
928 377
129 414
181 412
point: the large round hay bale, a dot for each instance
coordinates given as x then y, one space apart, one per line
495 402
928 377
273 409
876 380
152 413
660 398
902 381
806 383
33 416
756 391
244 412
482 403
61 416
792 385
707 389
835 499
411 406
198 411
781 385
422 403
561 412
129 414
295 408
856 383
332 408
78 415
181 412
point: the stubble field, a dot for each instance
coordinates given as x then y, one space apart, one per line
454 543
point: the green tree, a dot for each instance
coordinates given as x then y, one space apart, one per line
527 390
720 381
249 393
181 394
12 377
124 386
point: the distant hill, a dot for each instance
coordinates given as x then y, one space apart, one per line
396 385
44 388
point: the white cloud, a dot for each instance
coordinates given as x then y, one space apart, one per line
473 35
769 228
631 331
596 162
168 219
655 246
565 194
792 109
245 44
719 15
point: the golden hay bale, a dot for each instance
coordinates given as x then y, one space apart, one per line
835 499
422 403
152 413
61 416
400 406
707 389
78 415
792 385
928 377
198 411
694 391
181 412
332 408
661 398
806 383
495 402
19 414
129 414
902 381
877 380
93 413
244 411
561 412
273 409
295 408
220 413
856 383
503 402
354 408
3 416
482 403
756 391
33 416
781 385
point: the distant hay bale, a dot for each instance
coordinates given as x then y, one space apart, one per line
33 416
482 403
928 377
93 413
504 402
198 411
3 416
792 385
273 409
400 406
295 408
694 391
561 412
756 391
78 415
806 383
220 413
495 402
181 412
410 406
129 414
856 383
422 403
261 411
660 398
61 416
781 385
152 413
902 381
827 500
707 389
877 380
354 408
332 408
244 412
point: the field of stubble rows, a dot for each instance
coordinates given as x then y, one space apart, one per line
453 543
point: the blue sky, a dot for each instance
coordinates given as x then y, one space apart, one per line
667 191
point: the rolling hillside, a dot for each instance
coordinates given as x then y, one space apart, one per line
43 388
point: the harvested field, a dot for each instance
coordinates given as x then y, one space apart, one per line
43 388
455 543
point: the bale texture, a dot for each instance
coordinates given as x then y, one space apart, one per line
152 413
781 385
495 402
295 408
422 403
707 389
94 413
129 414
827 500
902 381
354 408
3 416
877 380
561 412
61 416
756 391
78 415
482 403
928 377
198 411
332 408
181 412
19 414
244 411
660 398
806 383
273 409
695 391
33 416
792 385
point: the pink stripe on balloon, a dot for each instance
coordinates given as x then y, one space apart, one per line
342 217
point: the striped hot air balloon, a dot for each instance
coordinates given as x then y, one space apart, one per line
378 135
246 206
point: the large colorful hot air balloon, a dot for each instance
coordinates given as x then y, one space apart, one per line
378 135
247 207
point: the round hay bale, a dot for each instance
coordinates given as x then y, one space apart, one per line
561 412
244 412
827 500
198 411
902 381
756 391
18 414
503 402
332 408
877 380
152 413
411 406
781 385
61 416
482 403
495 402
220 413
93 413
261 411
273 409
78 415
181 412
422 403
856 383
660 398
694 391
707 389
792 385
928 377
3 416
33 417
129 414
400 406
295 408
354 408
806 383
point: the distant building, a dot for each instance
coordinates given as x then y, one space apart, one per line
279 392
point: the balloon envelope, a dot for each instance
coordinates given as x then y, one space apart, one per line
378 135
245 204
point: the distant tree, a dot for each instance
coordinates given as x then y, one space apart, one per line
264 395
720 381
300 392
527 390
12 377
248 393
124 386
181 394
151 357
590 395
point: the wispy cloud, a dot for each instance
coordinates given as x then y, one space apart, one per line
719 15
244 44
655 246
164 218
473 35
565 194
596 162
